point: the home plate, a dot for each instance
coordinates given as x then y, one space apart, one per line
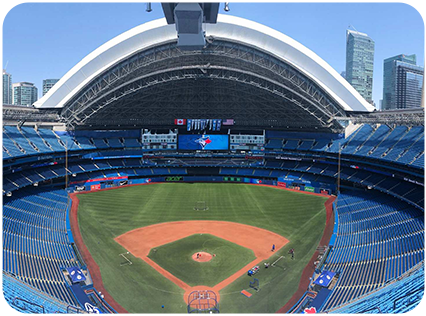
245 293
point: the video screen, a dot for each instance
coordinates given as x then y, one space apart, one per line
203 142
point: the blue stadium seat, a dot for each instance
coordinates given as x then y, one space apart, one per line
32 135
375 233
389 141
51 138
375 138
36 242
406 141
19 138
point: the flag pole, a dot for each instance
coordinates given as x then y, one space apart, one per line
66 164
338 171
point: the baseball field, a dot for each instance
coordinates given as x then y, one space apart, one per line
159 230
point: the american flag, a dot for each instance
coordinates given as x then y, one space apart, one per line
228 122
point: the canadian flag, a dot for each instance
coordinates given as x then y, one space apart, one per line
180 121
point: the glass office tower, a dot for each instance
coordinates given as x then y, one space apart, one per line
360 62
402 82
48 84
24 93
7 88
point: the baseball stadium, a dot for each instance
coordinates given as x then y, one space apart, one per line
205 163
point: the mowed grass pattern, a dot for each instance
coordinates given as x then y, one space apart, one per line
176 257
139 288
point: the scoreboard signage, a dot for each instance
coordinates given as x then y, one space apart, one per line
174 179
203 142
232 179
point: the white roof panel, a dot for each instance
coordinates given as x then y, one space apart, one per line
228 27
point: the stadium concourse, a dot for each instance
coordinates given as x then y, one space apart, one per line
250 105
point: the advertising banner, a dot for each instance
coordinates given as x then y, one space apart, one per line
95 187
309 189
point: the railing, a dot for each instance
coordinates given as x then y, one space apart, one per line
371 309
75 310
388 283
408 294
17 299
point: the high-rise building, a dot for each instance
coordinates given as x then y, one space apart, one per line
7 88
24 93
48 84
402 82
424 82
360 62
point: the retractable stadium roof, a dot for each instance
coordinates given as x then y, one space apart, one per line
246 71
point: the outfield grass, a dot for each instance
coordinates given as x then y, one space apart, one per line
139 288
176 257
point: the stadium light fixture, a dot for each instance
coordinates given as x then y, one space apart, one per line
148 7
226 8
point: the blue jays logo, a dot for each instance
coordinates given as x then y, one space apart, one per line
91 309
203 141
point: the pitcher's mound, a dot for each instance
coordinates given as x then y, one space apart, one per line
202 256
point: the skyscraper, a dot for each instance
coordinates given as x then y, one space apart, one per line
424 82
402 82
7 88
360 62
24 93
48 84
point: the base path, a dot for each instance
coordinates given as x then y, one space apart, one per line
257 239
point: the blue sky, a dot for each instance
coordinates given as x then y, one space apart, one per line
46 40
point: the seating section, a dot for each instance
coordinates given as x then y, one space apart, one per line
357 139
16 143
374 138
389 141
102 168
401 144
52 139
404 143
399 296
27 299
379 238
30 134
274 144
35 241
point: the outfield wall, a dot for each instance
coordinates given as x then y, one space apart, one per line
288 182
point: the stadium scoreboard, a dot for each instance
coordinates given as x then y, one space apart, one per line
203 142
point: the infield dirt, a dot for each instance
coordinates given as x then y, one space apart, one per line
257 239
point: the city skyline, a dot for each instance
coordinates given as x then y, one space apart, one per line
57 53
